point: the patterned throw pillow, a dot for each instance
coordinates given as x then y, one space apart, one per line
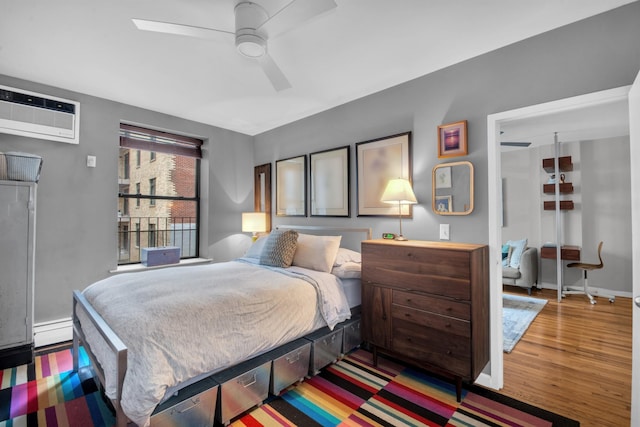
279 248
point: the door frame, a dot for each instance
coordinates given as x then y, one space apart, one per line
494 376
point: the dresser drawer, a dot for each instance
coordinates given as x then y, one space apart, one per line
437 305
439 272
438 348
425 319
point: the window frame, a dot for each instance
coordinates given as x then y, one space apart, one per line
155 141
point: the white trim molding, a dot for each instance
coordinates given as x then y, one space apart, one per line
53 332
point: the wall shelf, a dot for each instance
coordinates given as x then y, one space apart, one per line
565 188
564 164
565 205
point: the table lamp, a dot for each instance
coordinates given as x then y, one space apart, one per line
254 222
399 191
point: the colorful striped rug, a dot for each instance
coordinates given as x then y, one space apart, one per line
351 392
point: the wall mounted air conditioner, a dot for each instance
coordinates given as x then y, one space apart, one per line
39 116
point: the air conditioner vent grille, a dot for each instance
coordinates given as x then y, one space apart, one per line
38 116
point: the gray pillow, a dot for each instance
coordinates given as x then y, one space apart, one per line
279 248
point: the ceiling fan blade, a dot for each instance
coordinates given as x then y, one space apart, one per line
515 144
179 29
295 12
273 72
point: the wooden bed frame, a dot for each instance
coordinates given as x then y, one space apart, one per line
120 349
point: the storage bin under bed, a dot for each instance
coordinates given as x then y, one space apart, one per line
242 387
290 364
326 348
351 335
192 406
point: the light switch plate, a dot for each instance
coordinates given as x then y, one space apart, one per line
444 231
91 161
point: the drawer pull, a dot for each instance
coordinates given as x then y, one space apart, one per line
447 325
249 381
449 352
408 300
407 314
194 402
294 358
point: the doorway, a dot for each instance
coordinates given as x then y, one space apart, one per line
495 378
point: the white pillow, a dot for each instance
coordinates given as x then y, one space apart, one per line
347 255
518 248
256 247
348 270
316 252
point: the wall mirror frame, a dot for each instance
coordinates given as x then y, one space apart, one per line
262 191
452 188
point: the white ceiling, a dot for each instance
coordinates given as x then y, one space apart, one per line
599 121
358 48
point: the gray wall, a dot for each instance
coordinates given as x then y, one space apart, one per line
602 199
76 221
591 55
76 213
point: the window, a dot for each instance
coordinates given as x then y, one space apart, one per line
152 191
169 181
152 236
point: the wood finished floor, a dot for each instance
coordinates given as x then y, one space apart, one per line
575 359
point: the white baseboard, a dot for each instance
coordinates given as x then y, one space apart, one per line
594 290
54 332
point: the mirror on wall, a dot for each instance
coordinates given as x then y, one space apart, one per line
262 191
452 188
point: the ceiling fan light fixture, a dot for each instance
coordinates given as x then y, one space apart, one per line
251 45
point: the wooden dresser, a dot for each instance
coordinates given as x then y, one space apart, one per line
427 303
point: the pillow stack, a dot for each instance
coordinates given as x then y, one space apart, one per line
284 248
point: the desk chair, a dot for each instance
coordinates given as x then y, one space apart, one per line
586 267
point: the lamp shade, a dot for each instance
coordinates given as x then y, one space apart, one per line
254 222
399 191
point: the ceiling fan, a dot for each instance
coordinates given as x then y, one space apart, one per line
253 29
513 143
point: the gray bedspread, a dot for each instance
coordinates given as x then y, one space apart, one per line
179 323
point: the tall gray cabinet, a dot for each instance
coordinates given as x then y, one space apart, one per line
17 256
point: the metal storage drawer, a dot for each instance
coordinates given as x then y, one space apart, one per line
193 406
242 387
326 347
290 367
351 337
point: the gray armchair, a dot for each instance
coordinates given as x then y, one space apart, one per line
526 276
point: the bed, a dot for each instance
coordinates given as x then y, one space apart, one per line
149 334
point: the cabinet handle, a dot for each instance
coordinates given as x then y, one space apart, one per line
447 325
248 381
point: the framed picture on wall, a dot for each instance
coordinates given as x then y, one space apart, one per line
378 161
452 139
291 186
443 177
443 204
330 192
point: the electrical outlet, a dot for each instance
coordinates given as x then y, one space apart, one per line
444 231
91 161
